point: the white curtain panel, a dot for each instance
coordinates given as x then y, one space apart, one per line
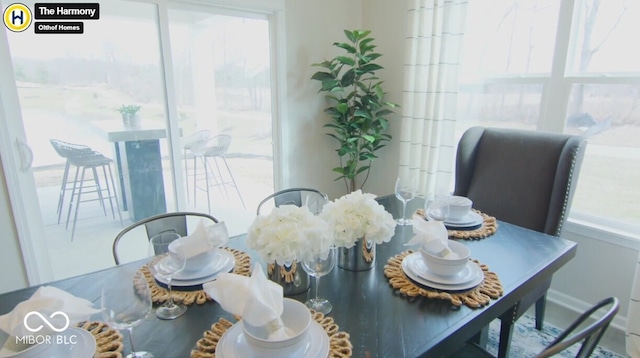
633 317
433 53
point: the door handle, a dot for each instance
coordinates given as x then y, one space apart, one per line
26 155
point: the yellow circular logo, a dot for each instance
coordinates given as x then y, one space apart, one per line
17 17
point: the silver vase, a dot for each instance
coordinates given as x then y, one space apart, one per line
359 257
291 276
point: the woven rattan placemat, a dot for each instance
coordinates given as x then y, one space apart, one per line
108 340
160 294
339 343
488 227
476 297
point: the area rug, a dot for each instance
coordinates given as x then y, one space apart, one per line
528 341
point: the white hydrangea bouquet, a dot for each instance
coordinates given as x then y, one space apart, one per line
289 233
358 216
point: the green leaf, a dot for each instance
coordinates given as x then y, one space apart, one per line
379 92
360 34
345 46
369 138
362 113
322 76
338 170
363 168
350 35
346 60
348 78
330 84
370 67
342 108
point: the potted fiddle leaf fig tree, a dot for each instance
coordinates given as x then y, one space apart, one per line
358 108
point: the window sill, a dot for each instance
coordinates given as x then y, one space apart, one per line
604 231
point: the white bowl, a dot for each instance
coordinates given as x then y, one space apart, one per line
295 316
445 266
199 262
459 206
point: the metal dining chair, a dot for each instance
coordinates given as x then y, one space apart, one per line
526 178
168 222
589 335
292 196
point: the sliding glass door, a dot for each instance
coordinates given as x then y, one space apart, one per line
126 121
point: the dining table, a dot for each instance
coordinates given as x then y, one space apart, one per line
380 320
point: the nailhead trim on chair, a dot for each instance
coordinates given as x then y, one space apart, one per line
566 194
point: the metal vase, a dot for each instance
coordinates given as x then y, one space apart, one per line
291 276
359 257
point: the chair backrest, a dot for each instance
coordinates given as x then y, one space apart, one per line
216 146
589 335
293 196
196 139
167 222
522 177
70 150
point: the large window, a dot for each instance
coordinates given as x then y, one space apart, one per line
562 66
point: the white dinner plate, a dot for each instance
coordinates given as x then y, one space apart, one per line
408 266
198 281
468 273
220 260
72 343
471 219
232 344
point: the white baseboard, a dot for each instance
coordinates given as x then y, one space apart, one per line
578 306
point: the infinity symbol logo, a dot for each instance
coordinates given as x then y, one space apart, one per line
46 321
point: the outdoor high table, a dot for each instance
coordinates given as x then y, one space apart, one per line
139 166
380 321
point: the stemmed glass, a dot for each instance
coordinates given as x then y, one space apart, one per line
405 191
164 263
125 303
318 267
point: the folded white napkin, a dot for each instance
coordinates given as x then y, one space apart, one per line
256 299
58 307
432 236
203 239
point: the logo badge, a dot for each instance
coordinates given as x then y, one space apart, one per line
17 17
46 321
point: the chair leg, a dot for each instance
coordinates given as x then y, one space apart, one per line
541 306
73 195
206 178
63 189
113 185
234 181
99 189
75 215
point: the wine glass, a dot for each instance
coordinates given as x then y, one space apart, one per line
125 303
318 267
405 191
164 263
436 207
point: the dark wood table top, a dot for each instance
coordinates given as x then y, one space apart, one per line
380 321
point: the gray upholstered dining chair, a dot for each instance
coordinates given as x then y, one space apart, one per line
293 196
589 333
177 222
526 178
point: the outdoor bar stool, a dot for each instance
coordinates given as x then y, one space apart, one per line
67 150
215 149
84 186
190 143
